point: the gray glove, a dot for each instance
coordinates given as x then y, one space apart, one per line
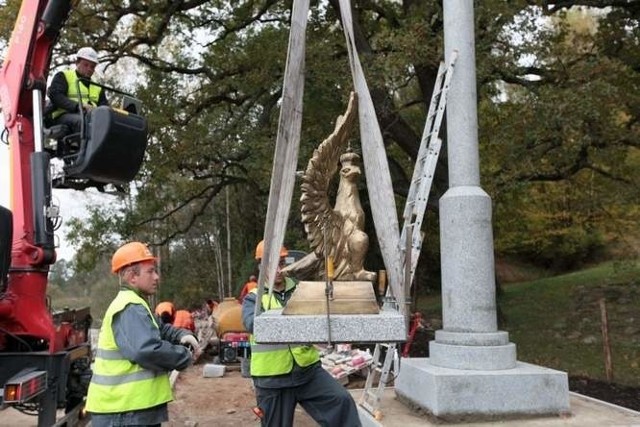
189 340
191 343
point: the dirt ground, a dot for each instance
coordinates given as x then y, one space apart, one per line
220 402
228 401
620 395
200 401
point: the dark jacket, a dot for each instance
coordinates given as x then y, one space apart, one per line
58 93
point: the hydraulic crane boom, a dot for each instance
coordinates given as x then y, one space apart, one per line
45 357
23 80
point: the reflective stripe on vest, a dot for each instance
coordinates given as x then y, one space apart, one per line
122 379
277 359
89 95
118 384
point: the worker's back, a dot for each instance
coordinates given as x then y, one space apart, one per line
184 320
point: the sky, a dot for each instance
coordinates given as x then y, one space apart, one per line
72 203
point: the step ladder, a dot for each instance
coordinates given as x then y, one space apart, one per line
413 215
426 165
372 395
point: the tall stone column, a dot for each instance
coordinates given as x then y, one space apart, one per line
472 369
469 339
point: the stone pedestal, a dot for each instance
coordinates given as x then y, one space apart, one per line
454 394
473 371
272 327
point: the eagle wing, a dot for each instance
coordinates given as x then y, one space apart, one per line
315 204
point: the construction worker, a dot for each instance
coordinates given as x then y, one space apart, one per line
63 91
248 287
285 375
184 320
166 311
130 382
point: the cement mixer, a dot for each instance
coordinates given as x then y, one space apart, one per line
233 337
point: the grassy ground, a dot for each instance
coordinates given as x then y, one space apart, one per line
555 322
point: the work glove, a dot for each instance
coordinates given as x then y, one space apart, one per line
191 342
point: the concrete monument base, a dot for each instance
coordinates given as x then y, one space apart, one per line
272 327
524 390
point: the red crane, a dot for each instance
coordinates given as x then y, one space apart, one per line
45 356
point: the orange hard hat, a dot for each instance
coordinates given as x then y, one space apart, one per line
260 250
165 307
130 253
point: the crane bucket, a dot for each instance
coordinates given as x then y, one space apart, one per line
114 149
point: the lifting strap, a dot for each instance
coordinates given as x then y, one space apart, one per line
287 148
378 176
379 186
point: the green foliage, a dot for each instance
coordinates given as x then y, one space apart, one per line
555 321
59 273
93 238
567 309
552 230
558 108
561 151
95 289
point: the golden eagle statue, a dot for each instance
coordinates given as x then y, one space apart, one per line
340 229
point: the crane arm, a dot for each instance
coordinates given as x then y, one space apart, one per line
23 76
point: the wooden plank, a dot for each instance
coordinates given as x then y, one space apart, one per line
349 297
608 364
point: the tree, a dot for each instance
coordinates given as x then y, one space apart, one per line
59 274
553 118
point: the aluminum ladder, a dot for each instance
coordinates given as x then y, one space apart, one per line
426 164
413 215
372 395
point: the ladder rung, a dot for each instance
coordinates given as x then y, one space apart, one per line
370 394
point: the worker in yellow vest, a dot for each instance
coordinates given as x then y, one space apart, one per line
72 90
285 375
130 383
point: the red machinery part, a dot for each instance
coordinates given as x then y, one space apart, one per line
416 323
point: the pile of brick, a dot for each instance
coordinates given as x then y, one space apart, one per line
343 361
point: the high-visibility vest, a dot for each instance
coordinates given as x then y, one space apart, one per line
89 95
277 359
118 384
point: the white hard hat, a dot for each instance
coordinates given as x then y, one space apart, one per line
87 53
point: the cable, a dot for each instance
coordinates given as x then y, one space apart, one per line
27 408
4 136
